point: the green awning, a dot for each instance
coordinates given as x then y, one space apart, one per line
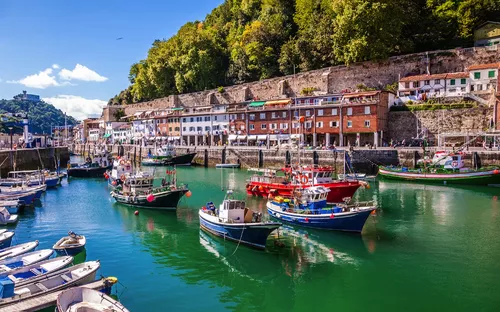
177 109
257 104
107 135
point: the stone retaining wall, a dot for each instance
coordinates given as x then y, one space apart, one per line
31 159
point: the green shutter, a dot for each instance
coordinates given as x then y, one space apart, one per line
463 81
477 75
452 82
491 74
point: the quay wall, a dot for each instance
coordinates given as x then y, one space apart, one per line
408 157
330 79
32 158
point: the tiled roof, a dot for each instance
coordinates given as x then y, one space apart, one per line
484 66
457 75
423 77
365 93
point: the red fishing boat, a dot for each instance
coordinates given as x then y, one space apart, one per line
295 178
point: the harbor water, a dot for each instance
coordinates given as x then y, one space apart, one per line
428 248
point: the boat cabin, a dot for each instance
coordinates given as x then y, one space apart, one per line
23 174
232 210
165 151
314 175
138 185
121 167
312 197
454 162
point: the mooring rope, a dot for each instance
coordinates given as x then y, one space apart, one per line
241 236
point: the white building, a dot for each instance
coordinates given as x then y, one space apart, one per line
95 135
122 133
457 84
431 85
484 77
205 125
109 128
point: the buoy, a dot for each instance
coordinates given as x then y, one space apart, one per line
150 198
136 212
307 219
302 119
496 171
113 183
261 188
332 216
188 194
112 279
373 212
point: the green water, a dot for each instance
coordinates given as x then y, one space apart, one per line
429 248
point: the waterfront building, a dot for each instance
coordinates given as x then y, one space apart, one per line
430 85
122 133
487 34
457 84
174 125
109 128
238 124
91 125
484 78
205 125
269 122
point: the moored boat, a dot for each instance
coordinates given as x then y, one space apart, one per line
16 250
6 217
86 299
70 245
24 199
167 156
121 168
12 206
22 189
5 240
73 276
235 222
28 273
221 166
25 259
309 208
92 168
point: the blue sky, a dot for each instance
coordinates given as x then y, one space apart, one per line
67 52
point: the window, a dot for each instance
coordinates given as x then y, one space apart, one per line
216 127
183 119
207 128
334 124
207 118
242 116
416 84
319 124
177 128
491 74
367 124
349 111
308 113
477 75
296 113
427 82
437 81
320 112
191 119
170 129
199 129
252 127
284 126
273 115
191 128
295 125
463 81
272 126
263 126
334 112
251 116
164 121
215 118
452 82
262 116
308 125
367 110
349 124
407 85
283 114
479 87
183 128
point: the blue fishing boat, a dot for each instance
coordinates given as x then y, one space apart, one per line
25 259
309 208
5 238
23 189
235 222
23 199
12 206
70 245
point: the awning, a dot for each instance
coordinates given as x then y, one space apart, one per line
173 138
241 137
138 114
107 135
177 109
295 136
273 137
252 137
257 104
278 102
262 137
232 137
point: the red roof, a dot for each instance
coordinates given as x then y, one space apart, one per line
484 66
357 94
457 75
423 77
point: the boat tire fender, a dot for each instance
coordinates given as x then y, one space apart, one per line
304 179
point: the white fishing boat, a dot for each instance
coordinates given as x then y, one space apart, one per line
6 217
5 238
25 259
79 299
69 277
18 249
71 244
26 274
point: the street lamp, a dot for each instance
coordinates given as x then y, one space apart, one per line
10 128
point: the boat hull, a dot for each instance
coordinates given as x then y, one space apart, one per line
338 190
254 235
95 172
163 201
464 178
346 222
70 251
227 166
6 242
181 160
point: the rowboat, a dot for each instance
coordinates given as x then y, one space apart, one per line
309 208
233 221
73 276
25 259
36 271
227 165
17 249
12 206
5 239
85 299
70 245
6 217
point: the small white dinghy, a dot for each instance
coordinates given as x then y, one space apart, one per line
17 250
80 299
6 217
25 259
26 274
71 244
77 275
5 238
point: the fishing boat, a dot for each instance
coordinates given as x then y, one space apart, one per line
25 259
167 156
28 273
138 190
6 217
309 208
24 199
453 171
92 168
235 222
69 277
12 206
85 299
120 170
221 166
268 182
5 239
16 250
22 189
32 178
70 245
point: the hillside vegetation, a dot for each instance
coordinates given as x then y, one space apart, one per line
248 40
41 115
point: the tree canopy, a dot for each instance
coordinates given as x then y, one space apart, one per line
248 40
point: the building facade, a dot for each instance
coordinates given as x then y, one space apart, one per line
487 34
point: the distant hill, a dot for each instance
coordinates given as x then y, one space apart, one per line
41 115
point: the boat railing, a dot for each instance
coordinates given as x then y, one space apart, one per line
357 204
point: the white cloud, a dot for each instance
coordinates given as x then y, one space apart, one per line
55 66
81 72
77 106
42 80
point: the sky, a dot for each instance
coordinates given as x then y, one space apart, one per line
69 52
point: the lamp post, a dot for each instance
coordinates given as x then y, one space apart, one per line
10 128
